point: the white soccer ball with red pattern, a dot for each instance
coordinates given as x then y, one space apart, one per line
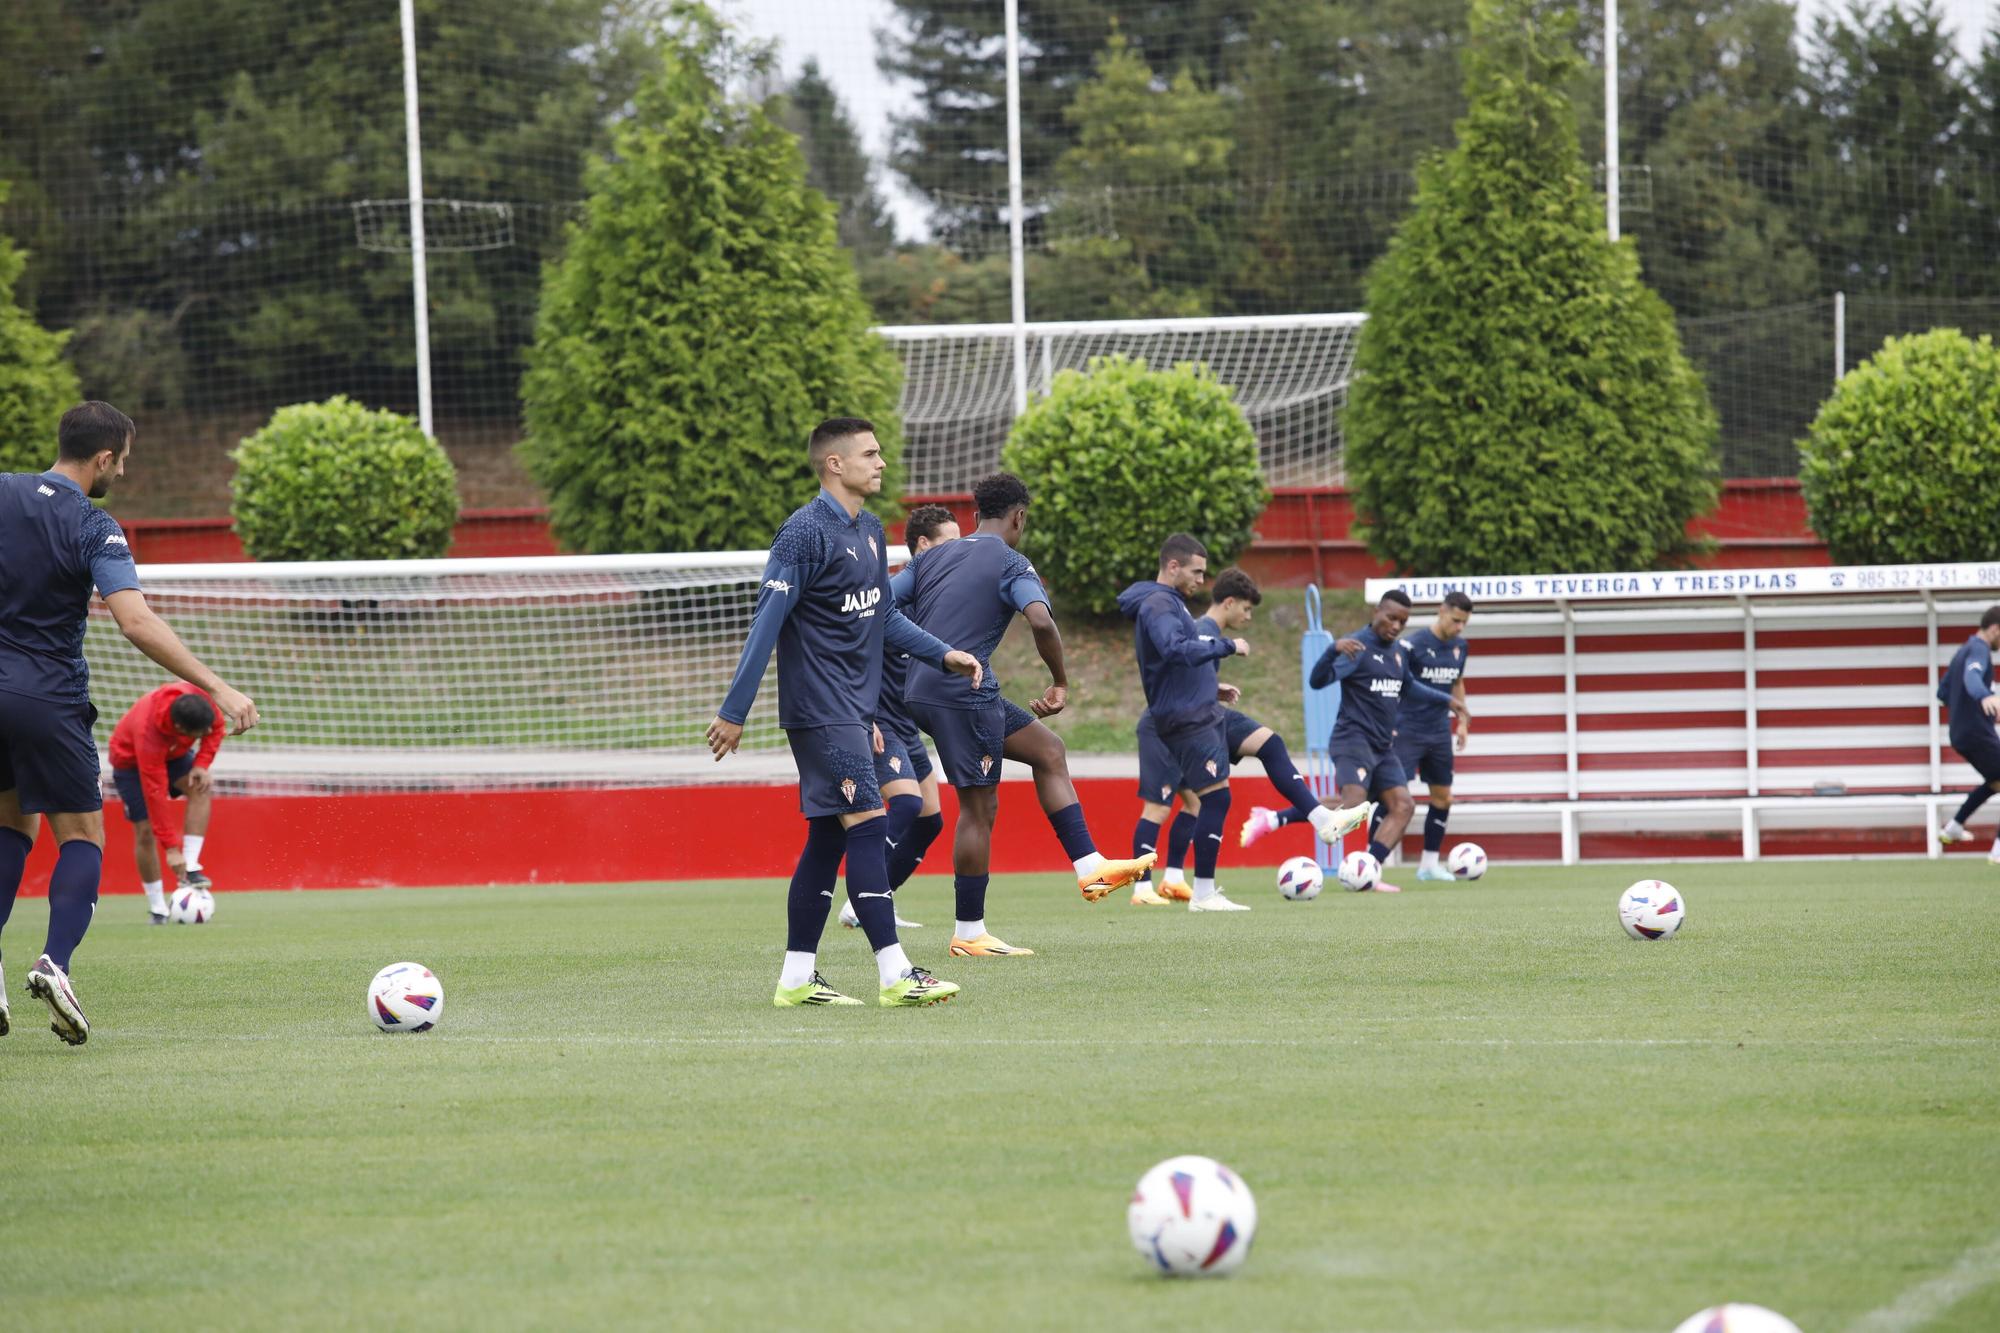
1467 861
1192 1217
191 907
1735 1318
405 997
1300 879
1652 909
1360 872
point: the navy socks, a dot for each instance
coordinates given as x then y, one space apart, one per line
868 882
1434 820
1208 832
1179 837
1277 761
908 853
812 884
14 849
72 898
1073 833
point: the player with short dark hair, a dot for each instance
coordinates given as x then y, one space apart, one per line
154 763
902 764
826 607
971 590
1966 690
1374 670
56 546
1428 735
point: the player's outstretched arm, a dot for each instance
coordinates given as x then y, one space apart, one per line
1048 643
156 639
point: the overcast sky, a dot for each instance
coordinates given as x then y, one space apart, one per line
841 34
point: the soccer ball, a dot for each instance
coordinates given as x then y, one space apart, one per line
1737 1319
1192 1217
1300 879
405 997
1651 910
190 907
1360 872
1467 860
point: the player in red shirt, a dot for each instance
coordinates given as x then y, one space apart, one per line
153 764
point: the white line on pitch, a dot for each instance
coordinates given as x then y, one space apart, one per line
1927 1300
940 1039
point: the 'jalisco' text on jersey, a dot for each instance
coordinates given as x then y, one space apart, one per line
1372 684
1438 663
825 605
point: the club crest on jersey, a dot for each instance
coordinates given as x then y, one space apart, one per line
1166 793
862 601
985 764
847 789
1210 766
1361 775
873 549
895 763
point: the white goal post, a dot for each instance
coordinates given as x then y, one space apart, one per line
1290 374
587 671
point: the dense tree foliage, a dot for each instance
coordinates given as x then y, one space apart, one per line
1520 397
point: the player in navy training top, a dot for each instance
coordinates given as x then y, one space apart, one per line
54 547
1966 689
1427 735
971 590
825 605
1181 744
902 764
1374 670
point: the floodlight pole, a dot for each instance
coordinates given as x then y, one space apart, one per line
1014 242
419 282
1611 118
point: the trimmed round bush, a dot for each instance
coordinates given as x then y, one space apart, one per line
1119 458
339 481
1902 464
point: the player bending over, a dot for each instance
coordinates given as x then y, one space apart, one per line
1966 689
154 763
826 607
1374 670
970 590
1427 735
55 546
902 764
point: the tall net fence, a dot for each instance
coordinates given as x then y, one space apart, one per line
209 192
455 674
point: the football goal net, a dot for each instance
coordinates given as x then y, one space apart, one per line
586 671
1290 374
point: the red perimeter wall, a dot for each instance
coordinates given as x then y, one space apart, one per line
1302 537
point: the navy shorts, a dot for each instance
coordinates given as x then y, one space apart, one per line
1981 749
970 740
836 769
47 755
1358 764
901 741
1426 757
1236 729
1198 758
1158 773
133 794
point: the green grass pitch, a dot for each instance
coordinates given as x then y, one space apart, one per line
1470 1108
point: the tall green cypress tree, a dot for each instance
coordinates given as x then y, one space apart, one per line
36 384
702 319
1521 400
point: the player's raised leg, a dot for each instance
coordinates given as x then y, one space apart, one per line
1033 744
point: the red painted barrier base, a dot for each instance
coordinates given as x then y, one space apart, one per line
688 833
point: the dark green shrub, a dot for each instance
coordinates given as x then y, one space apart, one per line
36 385
1520 399
1121 457
339 481
701 322
1902 464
